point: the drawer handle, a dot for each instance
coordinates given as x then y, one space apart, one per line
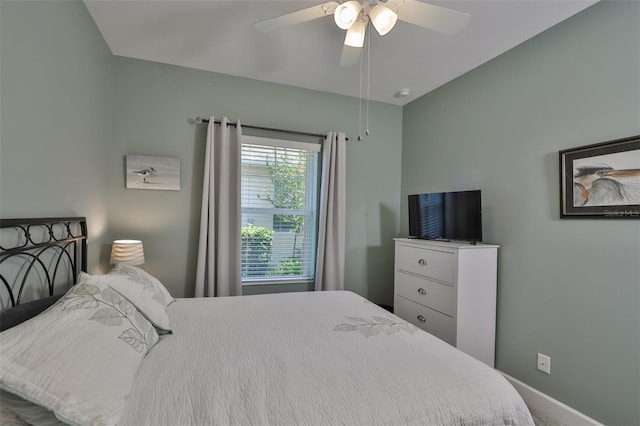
421 318
422 262
422 291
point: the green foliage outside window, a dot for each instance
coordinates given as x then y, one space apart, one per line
287 171
287 266
257 244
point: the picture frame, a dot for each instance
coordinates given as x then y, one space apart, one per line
149 172
601 180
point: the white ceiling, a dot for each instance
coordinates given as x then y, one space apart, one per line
219 36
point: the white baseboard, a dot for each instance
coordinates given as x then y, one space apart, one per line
553 411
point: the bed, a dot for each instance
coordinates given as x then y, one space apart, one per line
119 349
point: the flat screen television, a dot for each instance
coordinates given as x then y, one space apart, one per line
446 216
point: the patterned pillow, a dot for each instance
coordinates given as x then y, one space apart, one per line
149 282
143 297
78 359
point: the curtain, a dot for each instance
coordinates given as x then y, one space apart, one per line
218 267
331 246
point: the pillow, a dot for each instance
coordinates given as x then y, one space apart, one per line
78 359
24 311
149 282
143 297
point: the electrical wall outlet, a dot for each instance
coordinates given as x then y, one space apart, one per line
544 363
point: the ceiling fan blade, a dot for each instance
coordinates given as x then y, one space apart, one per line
294 18
350 55
433 17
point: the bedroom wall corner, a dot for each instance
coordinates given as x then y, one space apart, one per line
56 110
567 288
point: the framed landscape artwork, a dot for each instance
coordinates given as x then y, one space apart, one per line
144 172
601 180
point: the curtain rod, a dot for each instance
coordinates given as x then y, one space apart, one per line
200 120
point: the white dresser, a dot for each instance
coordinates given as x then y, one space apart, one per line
449 290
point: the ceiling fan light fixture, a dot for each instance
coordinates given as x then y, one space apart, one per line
347 13
355 34
383 19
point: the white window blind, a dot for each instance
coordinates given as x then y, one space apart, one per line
279 202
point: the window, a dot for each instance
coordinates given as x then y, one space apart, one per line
279 203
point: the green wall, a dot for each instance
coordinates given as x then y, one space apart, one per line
567 288
153 103
56 103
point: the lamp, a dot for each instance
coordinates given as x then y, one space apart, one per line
346 14
383 19
355 34
127 251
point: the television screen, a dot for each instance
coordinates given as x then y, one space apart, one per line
446 216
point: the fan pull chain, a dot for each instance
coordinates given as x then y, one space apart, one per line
360 97
366 132
362 83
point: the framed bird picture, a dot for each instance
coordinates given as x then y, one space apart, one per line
144 172
601 180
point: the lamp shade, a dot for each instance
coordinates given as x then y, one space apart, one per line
346 14
355 34
127 251
383 19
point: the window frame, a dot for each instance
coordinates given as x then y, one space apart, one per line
290 144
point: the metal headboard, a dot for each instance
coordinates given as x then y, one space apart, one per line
46 253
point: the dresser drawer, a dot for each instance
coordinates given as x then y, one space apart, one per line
429 263
440 325
440 297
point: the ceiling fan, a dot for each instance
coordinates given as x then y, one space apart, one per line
355 15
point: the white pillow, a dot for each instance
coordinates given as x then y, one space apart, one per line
149 282
143 297
79 357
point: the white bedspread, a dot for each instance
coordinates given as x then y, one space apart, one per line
318 358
